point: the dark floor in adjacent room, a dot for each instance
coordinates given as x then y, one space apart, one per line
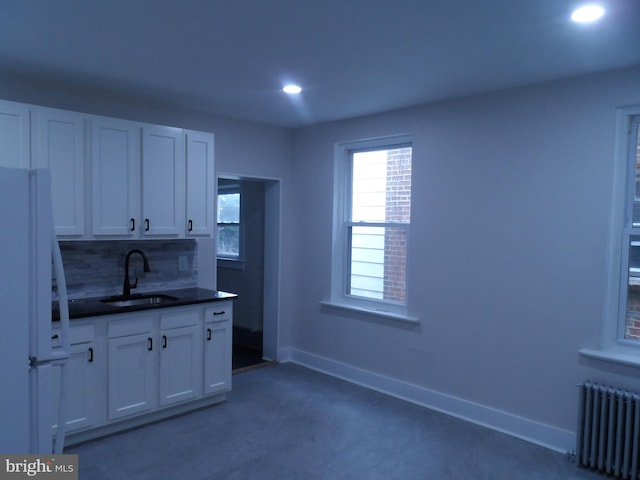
244 357
288 422
247 348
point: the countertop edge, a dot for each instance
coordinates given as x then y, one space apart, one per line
92 307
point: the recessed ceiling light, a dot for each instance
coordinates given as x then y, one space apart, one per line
587 13
291 89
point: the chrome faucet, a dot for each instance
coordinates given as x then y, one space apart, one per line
126 288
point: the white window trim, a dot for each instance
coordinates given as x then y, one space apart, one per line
339 263
376 313
613 347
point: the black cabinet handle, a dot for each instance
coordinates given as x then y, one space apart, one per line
150 340
209 334
147 224
222 312
90 354
54 337
164 341
190 225
133 225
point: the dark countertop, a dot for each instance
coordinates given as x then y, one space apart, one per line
91 307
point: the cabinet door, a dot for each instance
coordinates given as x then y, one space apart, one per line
59 146
83 388
131 375
115 178
200 183
14 135
163 181
217 357
180 364
218 338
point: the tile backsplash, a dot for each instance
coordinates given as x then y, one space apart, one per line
96 268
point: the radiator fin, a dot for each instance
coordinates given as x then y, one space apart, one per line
608 437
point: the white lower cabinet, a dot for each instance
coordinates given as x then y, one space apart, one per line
85 392
155 359
132 371
127 366
180 356
218 339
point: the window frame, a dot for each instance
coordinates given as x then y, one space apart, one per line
341 258
222 259
628 231
614 347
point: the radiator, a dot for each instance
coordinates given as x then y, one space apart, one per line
608 437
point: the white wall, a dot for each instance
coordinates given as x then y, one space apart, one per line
511 196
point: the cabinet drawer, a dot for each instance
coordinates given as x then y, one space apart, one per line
129 326
218 313
181 318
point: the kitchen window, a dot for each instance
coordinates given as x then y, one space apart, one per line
371 225
228 223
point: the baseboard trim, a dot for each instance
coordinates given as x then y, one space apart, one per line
529 430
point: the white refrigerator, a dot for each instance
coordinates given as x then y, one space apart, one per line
30 362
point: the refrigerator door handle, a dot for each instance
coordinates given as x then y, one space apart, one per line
64 331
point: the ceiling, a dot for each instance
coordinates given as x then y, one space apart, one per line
351 57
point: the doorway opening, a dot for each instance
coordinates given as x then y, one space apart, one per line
247 264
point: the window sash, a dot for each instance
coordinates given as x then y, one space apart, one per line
369 274
226 255
347 225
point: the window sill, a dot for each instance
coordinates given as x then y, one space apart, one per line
618 355
385 314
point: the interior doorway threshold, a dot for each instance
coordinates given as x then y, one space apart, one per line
248 368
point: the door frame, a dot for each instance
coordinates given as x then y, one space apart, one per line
272 236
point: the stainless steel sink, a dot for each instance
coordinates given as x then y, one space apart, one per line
136 300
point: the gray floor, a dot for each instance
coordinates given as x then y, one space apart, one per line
287 422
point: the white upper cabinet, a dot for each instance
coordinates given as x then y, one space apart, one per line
163 181
14 135
136 180
58 144
115 177
200 181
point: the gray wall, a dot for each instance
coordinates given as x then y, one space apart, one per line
509 238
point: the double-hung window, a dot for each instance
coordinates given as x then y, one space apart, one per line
228 223
629 305
372 217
